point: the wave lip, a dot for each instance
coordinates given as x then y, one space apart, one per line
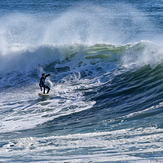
143 53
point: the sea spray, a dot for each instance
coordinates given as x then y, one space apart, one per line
88 24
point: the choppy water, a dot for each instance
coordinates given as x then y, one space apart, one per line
106 64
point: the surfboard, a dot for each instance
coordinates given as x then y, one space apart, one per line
43 95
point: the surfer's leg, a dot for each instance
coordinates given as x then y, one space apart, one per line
44 89
45 86
48 90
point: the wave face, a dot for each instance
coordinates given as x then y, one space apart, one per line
106 64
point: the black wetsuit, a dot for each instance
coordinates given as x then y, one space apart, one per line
42 84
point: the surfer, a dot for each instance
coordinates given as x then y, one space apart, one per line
42 83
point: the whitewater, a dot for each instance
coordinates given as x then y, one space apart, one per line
106 99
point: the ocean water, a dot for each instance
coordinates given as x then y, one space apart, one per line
106 64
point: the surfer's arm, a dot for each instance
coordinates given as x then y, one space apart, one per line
48 75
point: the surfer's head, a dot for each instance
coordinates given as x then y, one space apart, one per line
43 75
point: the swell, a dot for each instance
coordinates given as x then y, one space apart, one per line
130 92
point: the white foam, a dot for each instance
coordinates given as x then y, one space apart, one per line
119 145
